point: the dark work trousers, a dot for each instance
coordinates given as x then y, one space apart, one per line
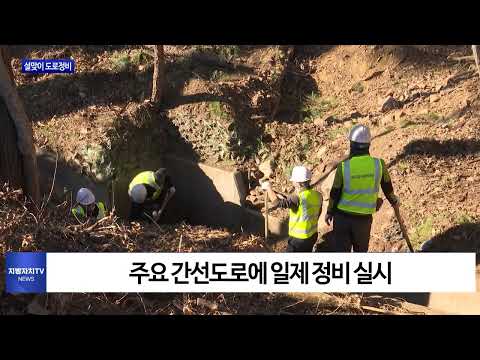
301 245
137 211
351 231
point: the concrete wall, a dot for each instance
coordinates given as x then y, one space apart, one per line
205 194
229 183
212 196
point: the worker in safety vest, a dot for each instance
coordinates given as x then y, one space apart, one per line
305 209
354 193
149 193
87 208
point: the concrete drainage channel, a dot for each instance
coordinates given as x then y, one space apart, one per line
206 195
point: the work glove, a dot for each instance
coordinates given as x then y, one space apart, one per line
328 219
156 215
266 185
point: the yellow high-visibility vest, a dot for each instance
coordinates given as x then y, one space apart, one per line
79 212
101 210
147 177
361 182
303 222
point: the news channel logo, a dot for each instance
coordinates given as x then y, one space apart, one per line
43 66
26 272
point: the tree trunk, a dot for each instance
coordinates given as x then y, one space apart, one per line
6 56
158 74
476 56
10 157
24 136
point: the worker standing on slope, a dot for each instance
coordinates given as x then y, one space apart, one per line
354 193
87 208
305 209
150 192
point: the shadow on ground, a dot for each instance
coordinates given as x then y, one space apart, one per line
249 133
439 149
421 55
460 238
61 95
296 87
298 84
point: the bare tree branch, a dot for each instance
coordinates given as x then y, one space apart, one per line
158 74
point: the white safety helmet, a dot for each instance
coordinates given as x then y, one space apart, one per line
85 197
138 193
300 174
360 134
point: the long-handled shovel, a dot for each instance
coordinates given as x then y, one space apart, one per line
266 242
266 222
396 208
266 216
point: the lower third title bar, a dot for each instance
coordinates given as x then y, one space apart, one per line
240 272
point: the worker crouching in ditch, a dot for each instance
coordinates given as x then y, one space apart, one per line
149 193
354 194
87 207
305 208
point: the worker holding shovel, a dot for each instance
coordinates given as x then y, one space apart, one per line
354 194
305 209
150 192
